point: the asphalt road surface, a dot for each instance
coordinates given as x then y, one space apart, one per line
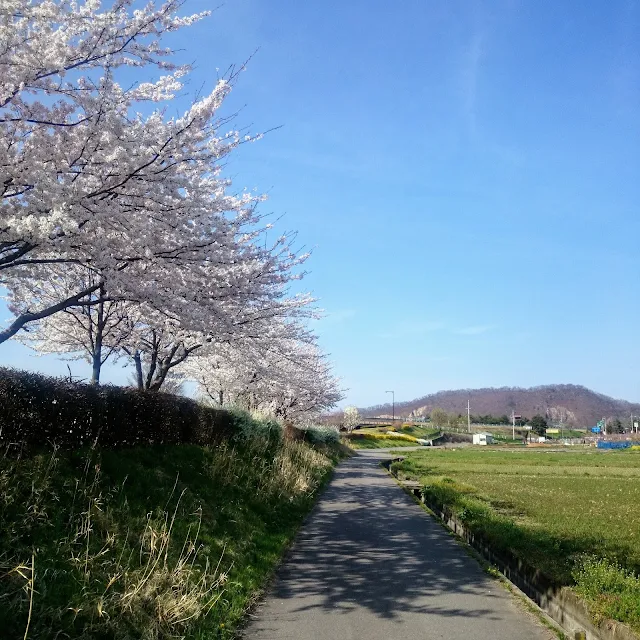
369 564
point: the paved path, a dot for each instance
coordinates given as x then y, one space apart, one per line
369 564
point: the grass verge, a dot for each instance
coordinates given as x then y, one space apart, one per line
420 431
155 542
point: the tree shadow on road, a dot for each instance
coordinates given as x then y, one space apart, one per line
368 545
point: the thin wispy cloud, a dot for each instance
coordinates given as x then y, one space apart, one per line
350 162
409 329
474 330
336 317
469 76
439 359
625 61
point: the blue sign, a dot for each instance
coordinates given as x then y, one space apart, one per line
595 429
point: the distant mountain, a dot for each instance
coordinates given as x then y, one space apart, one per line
573 404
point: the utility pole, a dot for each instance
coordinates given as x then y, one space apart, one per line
393 405
513 422
468 416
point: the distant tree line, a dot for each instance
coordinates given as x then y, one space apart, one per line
615 426
440 418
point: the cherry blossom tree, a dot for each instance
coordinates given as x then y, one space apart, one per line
227 309
283 374
307 388
87 180
351 418
240 299
118 232
95 331
157 351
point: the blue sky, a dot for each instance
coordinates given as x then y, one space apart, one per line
466 173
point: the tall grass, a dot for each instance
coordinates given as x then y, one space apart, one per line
155 542
611 591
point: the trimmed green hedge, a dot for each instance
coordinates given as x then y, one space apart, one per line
39 412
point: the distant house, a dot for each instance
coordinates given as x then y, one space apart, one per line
482 438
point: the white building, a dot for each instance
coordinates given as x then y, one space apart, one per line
482 438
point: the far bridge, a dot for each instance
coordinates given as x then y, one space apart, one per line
379 422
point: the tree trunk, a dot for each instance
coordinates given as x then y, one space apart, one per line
96 365
163 368
159 378
137 358
155 348
97 347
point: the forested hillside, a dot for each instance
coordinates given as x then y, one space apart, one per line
573 404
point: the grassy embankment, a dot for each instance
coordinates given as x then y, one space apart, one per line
386 437
568 433
575 516
148 542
